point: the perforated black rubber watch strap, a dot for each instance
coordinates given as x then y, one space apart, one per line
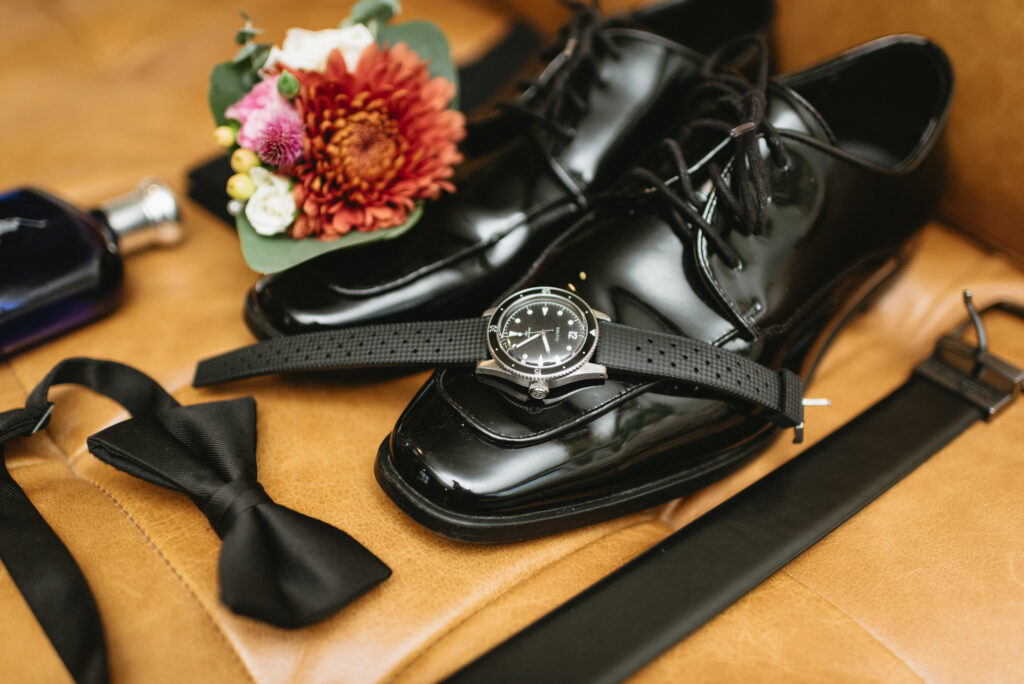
672 357
620 348
390 344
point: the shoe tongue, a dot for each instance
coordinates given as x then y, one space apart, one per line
789 111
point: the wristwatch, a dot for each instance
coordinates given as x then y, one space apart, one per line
543 338
539 343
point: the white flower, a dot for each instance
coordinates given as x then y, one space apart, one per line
271 209
308 50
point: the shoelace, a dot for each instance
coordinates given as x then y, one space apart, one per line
737 108
562 86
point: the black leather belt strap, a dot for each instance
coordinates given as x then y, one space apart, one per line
638 612
42 567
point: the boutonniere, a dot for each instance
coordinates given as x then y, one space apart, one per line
339 135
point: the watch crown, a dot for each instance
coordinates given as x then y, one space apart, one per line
539 389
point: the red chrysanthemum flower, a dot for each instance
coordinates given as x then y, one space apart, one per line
375 141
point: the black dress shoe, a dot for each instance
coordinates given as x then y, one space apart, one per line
532 167
800 207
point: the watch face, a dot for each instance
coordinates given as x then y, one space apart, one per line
542 332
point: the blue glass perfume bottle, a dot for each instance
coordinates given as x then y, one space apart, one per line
60 267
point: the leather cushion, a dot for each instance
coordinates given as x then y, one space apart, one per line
922 583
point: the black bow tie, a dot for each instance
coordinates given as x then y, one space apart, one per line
276 565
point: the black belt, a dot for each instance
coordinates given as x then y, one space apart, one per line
632 616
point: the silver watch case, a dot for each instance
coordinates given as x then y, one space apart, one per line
539 382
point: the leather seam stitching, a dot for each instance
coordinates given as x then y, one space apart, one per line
174 571
492 600
124 511
857 622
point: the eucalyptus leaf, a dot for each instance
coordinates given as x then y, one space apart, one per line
246 34
253 54
272 254
430 44
373 11
229 82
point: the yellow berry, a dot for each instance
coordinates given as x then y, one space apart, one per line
242 160
241 186
224 136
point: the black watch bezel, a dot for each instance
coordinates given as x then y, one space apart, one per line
516 367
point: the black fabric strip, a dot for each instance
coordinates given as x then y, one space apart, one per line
662 355
131 388
391 344
20 422
632 616
44 571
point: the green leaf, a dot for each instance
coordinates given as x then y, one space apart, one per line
254 55
372 11
229 82
429 43
272 254
246 34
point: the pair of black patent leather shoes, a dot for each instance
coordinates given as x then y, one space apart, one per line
803 195
761 214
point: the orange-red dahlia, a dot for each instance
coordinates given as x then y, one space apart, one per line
376 140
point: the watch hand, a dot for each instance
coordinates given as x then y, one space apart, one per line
529 339
544 338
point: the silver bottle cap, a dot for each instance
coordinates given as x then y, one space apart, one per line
146 217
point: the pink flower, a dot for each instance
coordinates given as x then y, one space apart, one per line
280 142
257 109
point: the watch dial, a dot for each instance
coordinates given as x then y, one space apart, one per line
542 332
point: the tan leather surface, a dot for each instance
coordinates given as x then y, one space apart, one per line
926 582
780 633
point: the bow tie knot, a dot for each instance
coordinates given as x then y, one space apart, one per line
230 501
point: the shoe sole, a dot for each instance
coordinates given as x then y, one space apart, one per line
512 527
257 324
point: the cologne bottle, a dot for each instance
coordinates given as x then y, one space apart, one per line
60 267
